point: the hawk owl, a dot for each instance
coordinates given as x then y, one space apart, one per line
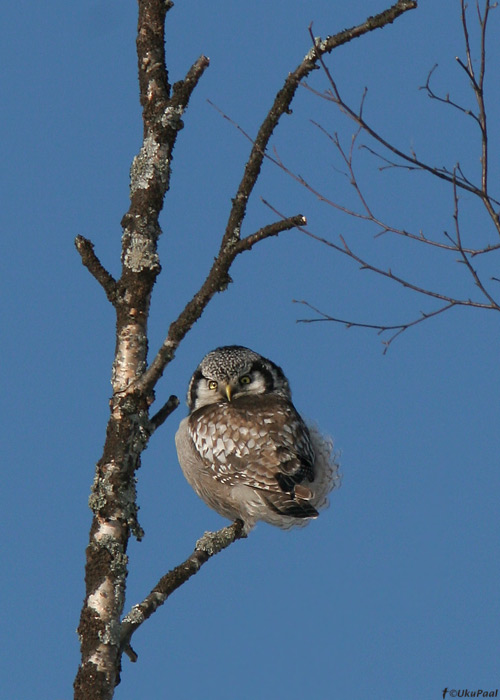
244 448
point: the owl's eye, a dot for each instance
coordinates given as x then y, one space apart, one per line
245 379
212 385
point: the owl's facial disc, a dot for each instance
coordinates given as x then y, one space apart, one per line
233 371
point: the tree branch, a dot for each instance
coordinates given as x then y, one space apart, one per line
207 546
446 100
284 99
271 230
86 249
451 302
368 214
399 328
477 82
478 282
161 416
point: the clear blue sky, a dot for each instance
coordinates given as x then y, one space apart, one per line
393 592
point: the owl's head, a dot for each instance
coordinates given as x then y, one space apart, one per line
232 371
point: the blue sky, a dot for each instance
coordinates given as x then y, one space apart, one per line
393 592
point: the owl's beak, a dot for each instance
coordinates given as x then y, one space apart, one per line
229 390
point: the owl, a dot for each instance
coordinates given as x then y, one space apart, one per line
244 448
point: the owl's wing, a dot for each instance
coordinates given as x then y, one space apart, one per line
258 441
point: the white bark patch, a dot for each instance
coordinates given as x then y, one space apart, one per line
172 117
146 164
108 530
102 600
100 658
152 162
130 360
141 253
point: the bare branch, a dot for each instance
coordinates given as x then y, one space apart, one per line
463 254
208 546
446 99
454 176
477 81
411 161
161 416
365 265
450 302
271 230
284 99
348 160
399 328
368 214
86 249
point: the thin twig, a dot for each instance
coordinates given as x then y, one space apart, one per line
446 99
381 328
463 254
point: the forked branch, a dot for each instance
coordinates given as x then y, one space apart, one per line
395 330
